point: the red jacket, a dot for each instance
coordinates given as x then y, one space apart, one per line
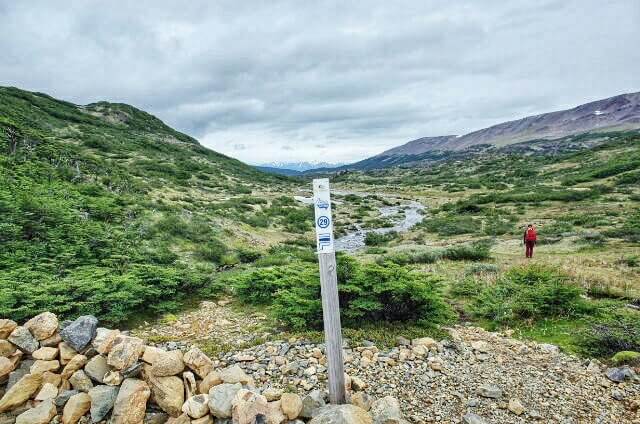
530 234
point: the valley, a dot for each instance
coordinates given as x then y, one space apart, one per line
107 211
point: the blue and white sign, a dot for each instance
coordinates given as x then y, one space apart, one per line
324 224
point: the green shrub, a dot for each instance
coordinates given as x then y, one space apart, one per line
367 293
611 333
213 250
481 268
467 252
451 225
376 239
466 287
529 292
626 357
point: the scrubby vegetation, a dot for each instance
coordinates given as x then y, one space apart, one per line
368 293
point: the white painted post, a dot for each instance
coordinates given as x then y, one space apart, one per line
329 288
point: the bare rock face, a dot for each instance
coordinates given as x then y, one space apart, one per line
75 408
41 414
125 352
20 392
341 414
249 407
80 332
291 405
131 403
6 328
42 326
23 338
198 362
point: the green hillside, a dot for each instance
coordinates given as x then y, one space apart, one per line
107 210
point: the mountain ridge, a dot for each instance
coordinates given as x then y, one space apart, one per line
616 113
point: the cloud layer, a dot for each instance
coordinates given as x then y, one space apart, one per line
327 80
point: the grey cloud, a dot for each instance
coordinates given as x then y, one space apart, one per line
346 79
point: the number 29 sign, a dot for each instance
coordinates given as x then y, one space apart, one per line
324 224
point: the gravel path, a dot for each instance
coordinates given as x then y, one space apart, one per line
497 378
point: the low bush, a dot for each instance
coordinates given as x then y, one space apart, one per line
612 332
529 292
376 239
368 292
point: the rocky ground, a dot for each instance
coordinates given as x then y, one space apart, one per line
474 377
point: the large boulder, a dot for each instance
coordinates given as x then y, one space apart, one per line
234 374
20 392
198 362
75 364
79 333
212 379
102 400
6 366
41 414
6 349
196 406
341 414
42 326
24 340
48 391
6 328
125 352
386 411
103 341
291 405
167 392
166 364
80 381
275 414
97 368
131 403
311 403
75 408
45 354
40 367
221 399
249 407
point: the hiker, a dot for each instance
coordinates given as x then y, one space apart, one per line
530 237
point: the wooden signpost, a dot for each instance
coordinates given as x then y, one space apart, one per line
329 287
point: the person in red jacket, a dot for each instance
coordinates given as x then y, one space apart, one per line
530 237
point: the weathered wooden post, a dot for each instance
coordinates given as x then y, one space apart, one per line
329 287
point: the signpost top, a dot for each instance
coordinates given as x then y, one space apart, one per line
324 222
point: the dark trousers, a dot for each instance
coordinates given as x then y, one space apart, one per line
529 248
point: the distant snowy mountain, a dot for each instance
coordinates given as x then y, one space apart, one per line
294 168
299 166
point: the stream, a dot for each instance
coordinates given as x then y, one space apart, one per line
354 240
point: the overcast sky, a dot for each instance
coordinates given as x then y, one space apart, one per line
329 81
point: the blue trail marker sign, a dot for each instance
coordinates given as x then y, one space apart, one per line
329 287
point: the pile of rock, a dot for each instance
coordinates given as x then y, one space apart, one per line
77 372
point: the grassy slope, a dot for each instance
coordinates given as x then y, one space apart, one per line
585 204
107 210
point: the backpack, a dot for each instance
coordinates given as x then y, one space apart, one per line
531 234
